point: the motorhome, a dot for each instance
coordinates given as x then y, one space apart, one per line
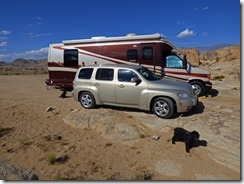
152 51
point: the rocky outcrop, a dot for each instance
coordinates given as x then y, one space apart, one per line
192 55
224 54
12 172
107 124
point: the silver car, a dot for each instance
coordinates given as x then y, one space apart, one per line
134 87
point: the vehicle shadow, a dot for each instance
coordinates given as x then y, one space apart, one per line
213 93
125 109
198 109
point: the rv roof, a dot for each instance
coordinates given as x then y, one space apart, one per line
129 37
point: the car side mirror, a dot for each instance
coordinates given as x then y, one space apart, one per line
136 80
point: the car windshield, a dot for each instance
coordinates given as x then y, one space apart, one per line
147 74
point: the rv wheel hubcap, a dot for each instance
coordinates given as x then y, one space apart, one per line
197 89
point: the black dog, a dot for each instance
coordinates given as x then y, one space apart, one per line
183 135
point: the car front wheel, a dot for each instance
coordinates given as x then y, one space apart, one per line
163 107
87 100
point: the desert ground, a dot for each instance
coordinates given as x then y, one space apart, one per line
109 143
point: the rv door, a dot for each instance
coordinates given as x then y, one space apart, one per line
147 57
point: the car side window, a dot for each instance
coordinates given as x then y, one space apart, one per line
85 73
125 75
173 62
105 74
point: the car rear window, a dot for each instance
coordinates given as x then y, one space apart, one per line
85 73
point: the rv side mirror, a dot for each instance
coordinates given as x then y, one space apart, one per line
185 62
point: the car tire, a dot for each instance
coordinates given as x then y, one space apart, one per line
199 87
87 100
163 107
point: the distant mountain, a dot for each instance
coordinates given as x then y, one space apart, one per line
206 49
28 62
2 63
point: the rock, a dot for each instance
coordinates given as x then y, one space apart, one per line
192 55
13 172
50 108
155 137
108 123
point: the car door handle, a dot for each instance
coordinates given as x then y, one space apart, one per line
121 86
96 84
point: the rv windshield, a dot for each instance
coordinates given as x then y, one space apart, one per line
147 74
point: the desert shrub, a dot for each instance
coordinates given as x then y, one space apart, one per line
142 136
145 175
218 77
25 141
51 158
59 178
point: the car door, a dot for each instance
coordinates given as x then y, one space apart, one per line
128 92
105 85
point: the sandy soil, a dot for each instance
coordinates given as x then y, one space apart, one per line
29 133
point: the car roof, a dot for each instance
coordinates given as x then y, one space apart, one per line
114 66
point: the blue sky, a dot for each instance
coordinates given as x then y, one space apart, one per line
28 27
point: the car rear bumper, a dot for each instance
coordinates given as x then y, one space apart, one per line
186 104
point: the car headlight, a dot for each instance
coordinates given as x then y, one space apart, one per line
183 95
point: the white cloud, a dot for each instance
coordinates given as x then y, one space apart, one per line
3 44
4 32
205 8
186 33
3 38
36 35
32 54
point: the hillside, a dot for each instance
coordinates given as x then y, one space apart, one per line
223 54
29 63
24 66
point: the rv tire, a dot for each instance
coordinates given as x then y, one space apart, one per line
199 87
87 100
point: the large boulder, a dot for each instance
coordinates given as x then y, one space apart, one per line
12 172
192 55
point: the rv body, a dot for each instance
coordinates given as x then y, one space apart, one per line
152 51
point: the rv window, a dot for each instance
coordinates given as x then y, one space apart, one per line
132 54
105 74
173 62
71 57
147 53
85 73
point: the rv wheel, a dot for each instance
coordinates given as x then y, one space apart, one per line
198 88
163 107
87 100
